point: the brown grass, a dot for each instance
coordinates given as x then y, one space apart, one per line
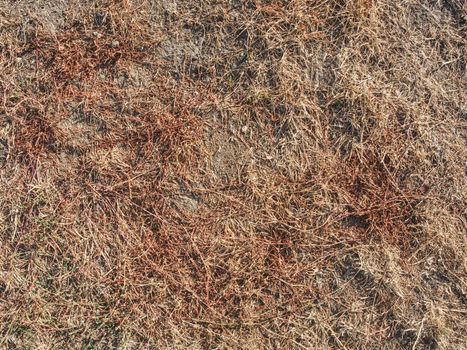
232 174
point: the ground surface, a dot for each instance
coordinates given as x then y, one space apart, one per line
228 174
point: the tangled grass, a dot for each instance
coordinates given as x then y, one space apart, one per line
232 174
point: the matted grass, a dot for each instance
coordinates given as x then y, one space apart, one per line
232 174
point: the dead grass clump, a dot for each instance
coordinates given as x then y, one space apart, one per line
77 55
37 137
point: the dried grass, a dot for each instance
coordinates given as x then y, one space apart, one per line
228 174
